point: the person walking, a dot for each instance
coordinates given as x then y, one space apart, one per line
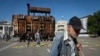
65 43
75 27
37 37
28 39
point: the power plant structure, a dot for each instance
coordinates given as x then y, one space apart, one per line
33 21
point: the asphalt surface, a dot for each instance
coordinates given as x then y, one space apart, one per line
91 47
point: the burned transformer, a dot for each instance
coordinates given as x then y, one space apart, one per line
33 21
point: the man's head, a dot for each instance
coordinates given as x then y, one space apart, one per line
75 26
72 32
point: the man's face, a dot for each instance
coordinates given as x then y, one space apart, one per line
72 32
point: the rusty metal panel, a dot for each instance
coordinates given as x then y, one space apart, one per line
39 10
15 19
28 19
15 23
21 26
35 23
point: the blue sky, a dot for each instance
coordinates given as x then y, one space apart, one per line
59 8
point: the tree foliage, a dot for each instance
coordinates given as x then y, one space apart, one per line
94 23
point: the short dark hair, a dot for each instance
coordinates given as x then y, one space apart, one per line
75 22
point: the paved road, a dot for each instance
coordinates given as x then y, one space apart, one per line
21 49
91 47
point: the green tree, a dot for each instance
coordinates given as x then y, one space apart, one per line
94 24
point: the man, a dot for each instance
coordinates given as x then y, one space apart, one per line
28 39
73 34
37 37
75 28
65 43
